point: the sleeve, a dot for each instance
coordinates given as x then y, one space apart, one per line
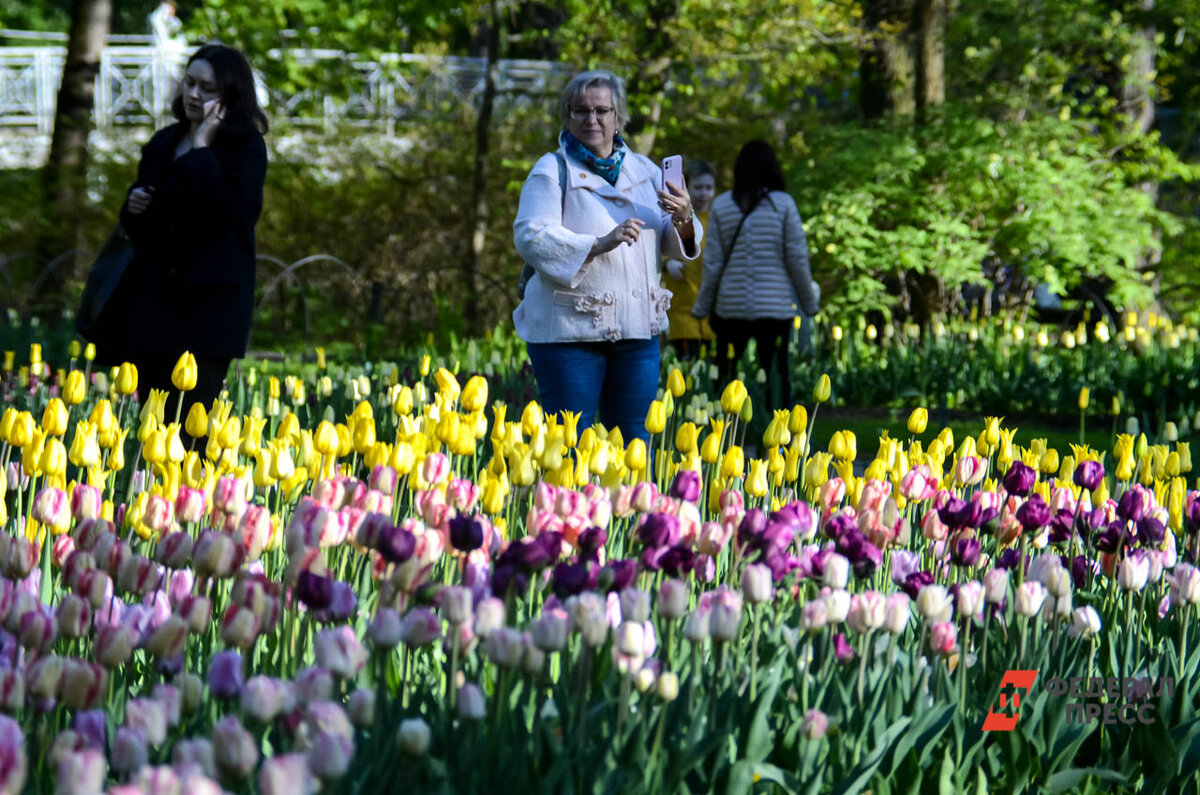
539 235
713 257
669 235
136 226
796 258
231 187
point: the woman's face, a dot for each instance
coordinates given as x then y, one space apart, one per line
593 120
703 190
199 87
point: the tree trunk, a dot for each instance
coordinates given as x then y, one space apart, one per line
649 81
483 125
65 176
929 24
1136 100
887 64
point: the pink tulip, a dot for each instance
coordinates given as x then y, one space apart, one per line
942 638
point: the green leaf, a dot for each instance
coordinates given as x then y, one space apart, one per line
1068 779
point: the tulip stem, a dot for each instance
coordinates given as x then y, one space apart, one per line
962 663
754 656
862 665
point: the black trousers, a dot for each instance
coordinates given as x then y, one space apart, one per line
772 339
154 372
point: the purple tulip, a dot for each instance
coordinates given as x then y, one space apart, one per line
508 576
1151 532
1061 526
1132 506
915 582
314 590
551 542
780 563
618 575
840 525
1082 570
1108 539
1089 474
225 678
92 728
342 605
570 579
397 545
686 485
842 650
1191 513
1034 513
752 527
591 541
867 560
1019 479
466 533
677 561
957 514
1008 559
659 530
965 551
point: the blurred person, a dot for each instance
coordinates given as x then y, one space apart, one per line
756 270
687 333
191 215
594 222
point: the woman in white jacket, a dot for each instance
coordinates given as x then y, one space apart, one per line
594 222
756 269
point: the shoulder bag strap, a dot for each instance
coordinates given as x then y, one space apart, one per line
721 273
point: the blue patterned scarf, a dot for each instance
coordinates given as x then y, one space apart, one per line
607 167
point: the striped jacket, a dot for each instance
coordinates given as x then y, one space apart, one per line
762 279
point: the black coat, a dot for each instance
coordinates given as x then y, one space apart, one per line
191 282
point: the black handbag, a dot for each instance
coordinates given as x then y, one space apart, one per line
105 276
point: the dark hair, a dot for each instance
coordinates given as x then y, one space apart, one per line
755 174
235 84
699 168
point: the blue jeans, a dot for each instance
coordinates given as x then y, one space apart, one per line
619 379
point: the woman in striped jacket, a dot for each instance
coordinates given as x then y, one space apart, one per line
756 270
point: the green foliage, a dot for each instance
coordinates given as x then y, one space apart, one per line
899 214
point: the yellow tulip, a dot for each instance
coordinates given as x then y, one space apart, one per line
31 453
7 420
175 449
84 452
531 417
35 354
686 438
733 397
843 445
425 364
798 419
154 446
816 471
320 358
1049 463
289 428
675 383
756 482
75 389
196 423
733 464
127 379
656 418
710 451
917 421
155 405
116 454
54 418
791 464
325 440
570 420
1084 394
364 435
822 389
54 458
183 376
475 393
230 434
447 384
635 455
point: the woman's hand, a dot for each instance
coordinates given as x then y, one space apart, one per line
625 232
676 201
214 114
139 200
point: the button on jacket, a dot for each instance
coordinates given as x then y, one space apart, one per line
615 295
768 268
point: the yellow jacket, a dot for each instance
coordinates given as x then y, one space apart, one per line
682 325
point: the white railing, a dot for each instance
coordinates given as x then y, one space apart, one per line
136 84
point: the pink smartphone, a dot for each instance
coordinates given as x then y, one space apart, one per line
673 171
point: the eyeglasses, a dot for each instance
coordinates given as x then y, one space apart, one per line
581 114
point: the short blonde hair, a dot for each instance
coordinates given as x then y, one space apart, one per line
596 79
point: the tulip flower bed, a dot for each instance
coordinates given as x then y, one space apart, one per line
414 589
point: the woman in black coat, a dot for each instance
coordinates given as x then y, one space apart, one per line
191 217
